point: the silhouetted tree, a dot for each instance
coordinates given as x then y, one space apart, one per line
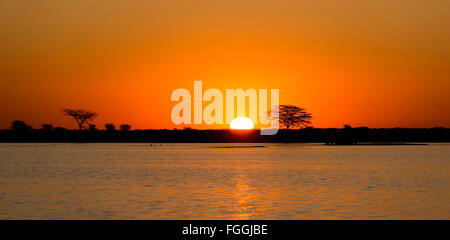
47 127
92 127
125 127
20 126
291 116
110 127
82 117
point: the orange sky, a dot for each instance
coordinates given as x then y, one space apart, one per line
373 63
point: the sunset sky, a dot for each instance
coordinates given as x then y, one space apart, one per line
378 63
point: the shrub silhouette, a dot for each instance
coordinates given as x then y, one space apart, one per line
110 127
125 127
20 126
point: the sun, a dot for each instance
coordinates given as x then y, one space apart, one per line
241 123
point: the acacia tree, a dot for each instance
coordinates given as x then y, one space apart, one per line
291 116
82 117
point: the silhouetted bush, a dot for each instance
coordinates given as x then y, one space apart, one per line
20 126
125 127
92 127
110 127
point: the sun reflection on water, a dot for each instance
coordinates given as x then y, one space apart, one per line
243 195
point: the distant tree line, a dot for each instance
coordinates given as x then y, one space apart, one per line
289 116
295 120
83 119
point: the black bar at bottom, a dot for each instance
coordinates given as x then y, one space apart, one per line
225 229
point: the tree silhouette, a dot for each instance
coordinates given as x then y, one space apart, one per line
92 127
291 116
110 127
125 127
20 126
82 117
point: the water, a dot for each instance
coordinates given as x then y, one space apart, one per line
210 181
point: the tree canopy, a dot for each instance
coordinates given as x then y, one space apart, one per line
291 116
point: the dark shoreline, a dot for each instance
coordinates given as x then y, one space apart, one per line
330 136
380 144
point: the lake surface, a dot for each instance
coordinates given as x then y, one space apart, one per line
223 181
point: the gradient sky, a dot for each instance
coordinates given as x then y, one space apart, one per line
378 63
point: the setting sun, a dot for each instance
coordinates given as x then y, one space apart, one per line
241 123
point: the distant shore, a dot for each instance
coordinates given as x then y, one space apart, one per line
379 144
329 136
